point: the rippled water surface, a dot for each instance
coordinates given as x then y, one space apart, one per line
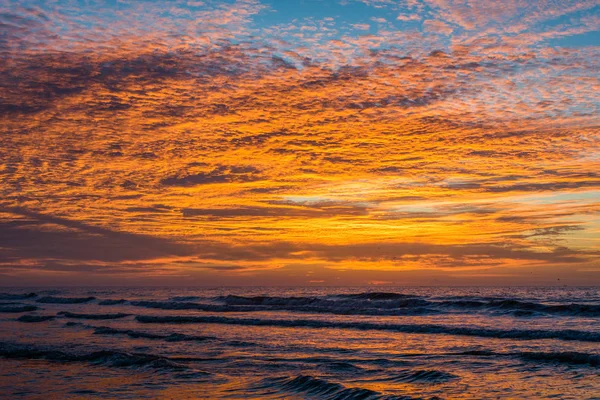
280 343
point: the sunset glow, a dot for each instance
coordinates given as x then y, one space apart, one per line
300 143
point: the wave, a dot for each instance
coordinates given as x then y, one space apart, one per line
111 358
307 385
376 296
470 297
270 300
565 357
185 298
17 308
22 296
376 304
92 316
111 302
35 318
522 334
421 376
526 308
173 337
344 309
176 305
65 300
569 357
366 303
370 303
483 353
342 366
357 301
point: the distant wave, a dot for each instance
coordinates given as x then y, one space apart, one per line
271 300
361 300
185 298
11 296
92 316
338 308
174 337
592 310
111 358
523 334
376 296
176 305
111 302
35 318
65 300
368 304
307 385
16 308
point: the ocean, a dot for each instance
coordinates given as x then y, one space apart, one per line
300 343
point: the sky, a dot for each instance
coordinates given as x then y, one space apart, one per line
305 142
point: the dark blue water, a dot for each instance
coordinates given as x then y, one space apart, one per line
322 343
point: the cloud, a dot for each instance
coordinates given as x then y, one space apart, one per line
324 210
199 138
41 236
436 26
411 17
362 27
220 174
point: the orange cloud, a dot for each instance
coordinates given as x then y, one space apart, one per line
202 148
